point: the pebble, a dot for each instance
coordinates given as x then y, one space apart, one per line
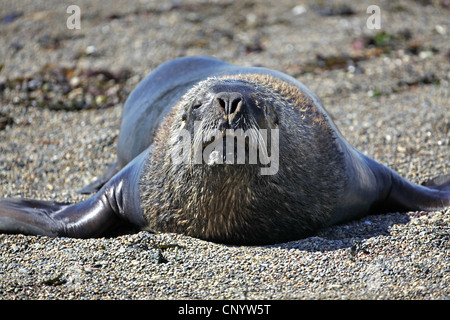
403 123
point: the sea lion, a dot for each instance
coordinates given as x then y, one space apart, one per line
179 169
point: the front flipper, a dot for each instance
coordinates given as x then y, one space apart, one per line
117 202
439 182
374 188
89 218
29 216
432 195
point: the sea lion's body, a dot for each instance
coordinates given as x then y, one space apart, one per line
317 179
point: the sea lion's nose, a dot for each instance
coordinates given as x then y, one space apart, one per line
230 104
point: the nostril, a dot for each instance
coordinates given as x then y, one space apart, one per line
235 104
222 104
229 102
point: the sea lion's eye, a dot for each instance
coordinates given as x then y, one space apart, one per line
197 104
258 102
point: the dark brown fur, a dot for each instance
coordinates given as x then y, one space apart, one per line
234 203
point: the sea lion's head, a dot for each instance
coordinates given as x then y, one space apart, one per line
224 121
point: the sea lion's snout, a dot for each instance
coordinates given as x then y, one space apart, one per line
236 105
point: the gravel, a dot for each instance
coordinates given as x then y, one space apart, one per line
388 91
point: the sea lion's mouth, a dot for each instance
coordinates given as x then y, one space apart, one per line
230 138
233 147
225 136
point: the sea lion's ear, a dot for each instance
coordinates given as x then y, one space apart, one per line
117 203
